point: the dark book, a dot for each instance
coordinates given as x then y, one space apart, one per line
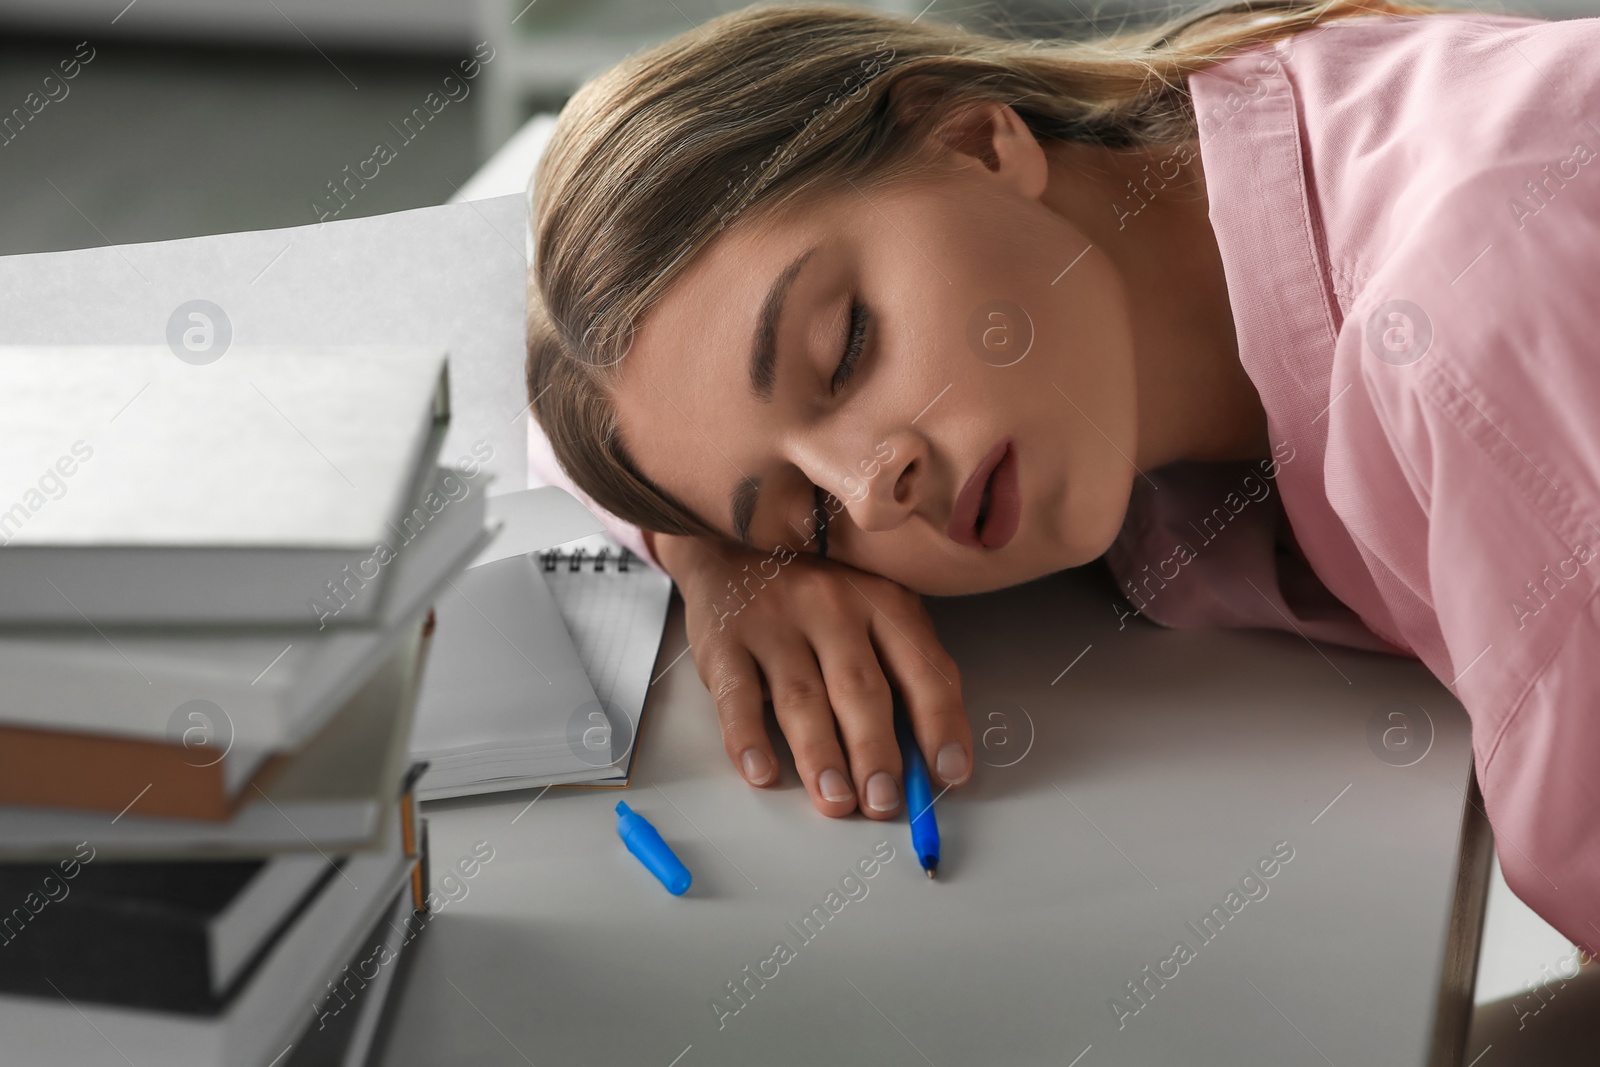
262 1018
176 936
172 936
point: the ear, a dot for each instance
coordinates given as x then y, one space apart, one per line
971 130
987 132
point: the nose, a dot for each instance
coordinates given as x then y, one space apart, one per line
881 482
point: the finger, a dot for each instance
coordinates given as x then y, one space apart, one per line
859 694
735 685
800 700
928 680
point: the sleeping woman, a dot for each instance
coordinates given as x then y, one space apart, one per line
832 309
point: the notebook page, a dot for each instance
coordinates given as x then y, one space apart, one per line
501 674
616 619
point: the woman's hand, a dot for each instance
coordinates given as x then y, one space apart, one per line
825 641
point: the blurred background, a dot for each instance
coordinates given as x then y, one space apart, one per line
207 116
190 117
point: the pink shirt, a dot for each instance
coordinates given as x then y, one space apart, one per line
1408 212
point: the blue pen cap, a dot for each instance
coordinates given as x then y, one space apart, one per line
645 843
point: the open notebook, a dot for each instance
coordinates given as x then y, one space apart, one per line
539 670
615 609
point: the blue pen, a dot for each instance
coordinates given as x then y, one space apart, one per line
919 795
644 842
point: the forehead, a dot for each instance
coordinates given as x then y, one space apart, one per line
686 412
725 282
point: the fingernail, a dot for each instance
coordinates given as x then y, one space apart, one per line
757 768
882 793
833 785
951 763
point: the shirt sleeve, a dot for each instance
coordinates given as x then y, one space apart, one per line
1463 446
1465 462
1546 797
1513 576
1466 486
544 470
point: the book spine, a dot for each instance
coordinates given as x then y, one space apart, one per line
95 772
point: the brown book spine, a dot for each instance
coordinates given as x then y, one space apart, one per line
97 772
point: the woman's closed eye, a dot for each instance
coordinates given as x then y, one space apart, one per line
855 344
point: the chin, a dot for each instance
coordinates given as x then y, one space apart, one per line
1085 533
985 576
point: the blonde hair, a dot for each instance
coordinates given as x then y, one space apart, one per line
765 107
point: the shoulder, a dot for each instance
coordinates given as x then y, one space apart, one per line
1453 172
1467 282
1439 45
1375 71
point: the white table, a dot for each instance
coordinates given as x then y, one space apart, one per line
1162 766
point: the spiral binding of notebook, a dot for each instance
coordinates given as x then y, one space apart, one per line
576 559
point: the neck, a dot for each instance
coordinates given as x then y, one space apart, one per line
1147 210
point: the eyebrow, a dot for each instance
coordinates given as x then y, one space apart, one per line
744 507
764 351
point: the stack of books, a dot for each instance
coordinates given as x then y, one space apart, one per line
216 589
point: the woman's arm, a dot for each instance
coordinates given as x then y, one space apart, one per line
824 642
